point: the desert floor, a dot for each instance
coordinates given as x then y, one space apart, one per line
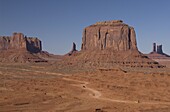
38 88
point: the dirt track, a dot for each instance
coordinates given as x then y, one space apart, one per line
41 91
98 95
95 93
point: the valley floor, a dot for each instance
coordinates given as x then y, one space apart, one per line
37 88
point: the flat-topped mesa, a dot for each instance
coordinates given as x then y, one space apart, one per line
114 35
107 45
112 22
20 42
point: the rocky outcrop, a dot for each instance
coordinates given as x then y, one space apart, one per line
13 56
159 49
157 53
107 45
20 48
154 47
109 34
73 50
33 45
20 42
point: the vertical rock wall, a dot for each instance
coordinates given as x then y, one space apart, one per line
19 42
109 34
159 49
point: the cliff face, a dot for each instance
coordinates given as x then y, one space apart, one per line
109 44
20 42
33 45
21 49
109 34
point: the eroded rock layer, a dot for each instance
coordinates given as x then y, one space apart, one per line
21 49
109 34
20 42
157 53
109 44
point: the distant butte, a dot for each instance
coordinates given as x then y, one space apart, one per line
110 44
109 34
20 48
105 44
20 42
157 53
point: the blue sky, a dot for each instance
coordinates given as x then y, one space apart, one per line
58 23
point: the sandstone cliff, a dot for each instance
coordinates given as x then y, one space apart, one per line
20 42
109 34
19 48
109 44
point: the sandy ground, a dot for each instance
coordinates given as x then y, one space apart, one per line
35 88
165 62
